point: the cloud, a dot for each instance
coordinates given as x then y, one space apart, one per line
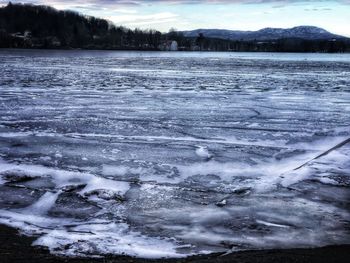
140 20
318 9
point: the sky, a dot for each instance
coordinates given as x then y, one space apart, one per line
332 15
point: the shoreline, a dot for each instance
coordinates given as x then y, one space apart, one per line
165 51
15 247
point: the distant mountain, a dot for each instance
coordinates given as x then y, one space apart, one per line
301 32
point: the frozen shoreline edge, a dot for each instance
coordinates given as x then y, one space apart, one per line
15 247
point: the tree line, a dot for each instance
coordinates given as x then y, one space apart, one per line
34 26
47 27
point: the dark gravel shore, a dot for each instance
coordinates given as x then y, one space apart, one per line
17 248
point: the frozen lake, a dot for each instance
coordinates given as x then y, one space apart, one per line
171 154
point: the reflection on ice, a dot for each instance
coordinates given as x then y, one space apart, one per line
158 156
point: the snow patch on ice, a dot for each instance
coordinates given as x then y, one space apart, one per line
120 170
95 236
203 152
43 205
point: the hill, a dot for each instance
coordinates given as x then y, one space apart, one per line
25 25
301 32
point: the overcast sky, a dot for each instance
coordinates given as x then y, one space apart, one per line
226 14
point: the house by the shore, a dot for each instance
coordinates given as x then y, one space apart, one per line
169 45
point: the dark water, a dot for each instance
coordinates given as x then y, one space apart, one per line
170 154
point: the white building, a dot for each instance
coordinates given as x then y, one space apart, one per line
173 46
170 45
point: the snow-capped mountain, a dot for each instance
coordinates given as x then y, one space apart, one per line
303 32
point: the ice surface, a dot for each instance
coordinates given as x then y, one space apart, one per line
168 155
